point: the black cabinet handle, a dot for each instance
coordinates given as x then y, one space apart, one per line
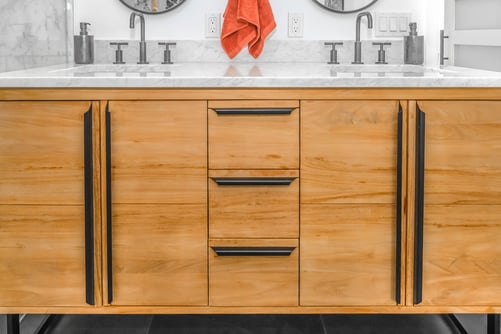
109 231
89 208
398 275
253 251
253 111
253 181
419 214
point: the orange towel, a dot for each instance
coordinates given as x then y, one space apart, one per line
246 22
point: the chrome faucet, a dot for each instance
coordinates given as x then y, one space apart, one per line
142 43
358 44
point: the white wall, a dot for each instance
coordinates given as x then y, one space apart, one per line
110 19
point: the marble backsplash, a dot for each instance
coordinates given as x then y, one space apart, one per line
34 33
274 51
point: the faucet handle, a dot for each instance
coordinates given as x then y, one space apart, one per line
381 55
333 58
118 52
167 52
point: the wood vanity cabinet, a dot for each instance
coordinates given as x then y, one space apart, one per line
157 202
250 200
458 234
46 204
349 188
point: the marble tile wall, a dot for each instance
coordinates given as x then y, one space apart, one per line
33 33
274 51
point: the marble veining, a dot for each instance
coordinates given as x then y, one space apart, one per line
34 33
227 74
307 51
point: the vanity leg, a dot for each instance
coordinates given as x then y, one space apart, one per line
12 323
457 324
493 326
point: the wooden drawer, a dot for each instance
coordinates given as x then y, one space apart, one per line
241 276
253 134
254 204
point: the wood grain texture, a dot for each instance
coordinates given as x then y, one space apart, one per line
348 151
254 211
253 141
462 255
462 162
159 254
347 255
42 252
159 151
253 281
41 149
267 93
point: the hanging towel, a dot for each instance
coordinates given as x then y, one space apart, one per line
246 22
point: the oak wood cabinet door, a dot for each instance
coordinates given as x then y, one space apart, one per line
457 239
46 201
350 229
157 202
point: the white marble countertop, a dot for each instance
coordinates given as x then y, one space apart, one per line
215 75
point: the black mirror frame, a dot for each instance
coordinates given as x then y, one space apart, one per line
152 13
345 11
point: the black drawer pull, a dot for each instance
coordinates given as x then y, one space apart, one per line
253 111
253 251
253 181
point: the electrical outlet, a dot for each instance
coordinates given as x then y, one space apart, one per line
212 25
296 24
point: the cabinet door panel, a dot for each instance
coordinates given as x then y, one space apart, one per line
462 255
42 152
462 162
347 258
159 151
159 254
42 219
42 255
348 151
462 197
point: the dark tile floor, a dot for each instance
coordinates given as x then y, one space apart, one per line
256 324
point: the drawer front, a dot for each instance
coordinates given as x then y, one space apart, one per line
253 134
254 204
253 272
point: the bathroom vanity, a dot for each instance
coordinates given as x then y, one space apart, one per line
250 190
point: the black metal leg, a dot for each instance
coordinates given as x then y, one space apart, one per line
12 323
457 324
493 326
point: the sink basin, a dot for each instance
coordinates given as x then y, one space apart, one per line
383 70
117 69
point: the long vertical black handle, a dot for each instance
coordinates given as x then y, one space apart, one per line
419 207
89 208
109 222
398 223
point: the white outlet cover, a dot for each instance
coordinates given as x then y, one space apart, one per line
296 25
212 25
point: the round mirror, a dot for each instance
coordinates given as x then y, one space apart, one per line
152 6
345 6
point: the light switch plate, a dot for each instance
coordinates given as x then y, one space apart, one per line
392 24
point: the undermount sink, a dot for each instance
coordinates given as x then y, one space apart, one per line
116 69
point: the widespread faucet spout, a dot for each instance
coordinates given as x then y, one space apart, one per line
358 44
142 43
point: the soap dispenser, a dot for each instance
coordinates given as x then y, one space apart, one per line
83 46
413 46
